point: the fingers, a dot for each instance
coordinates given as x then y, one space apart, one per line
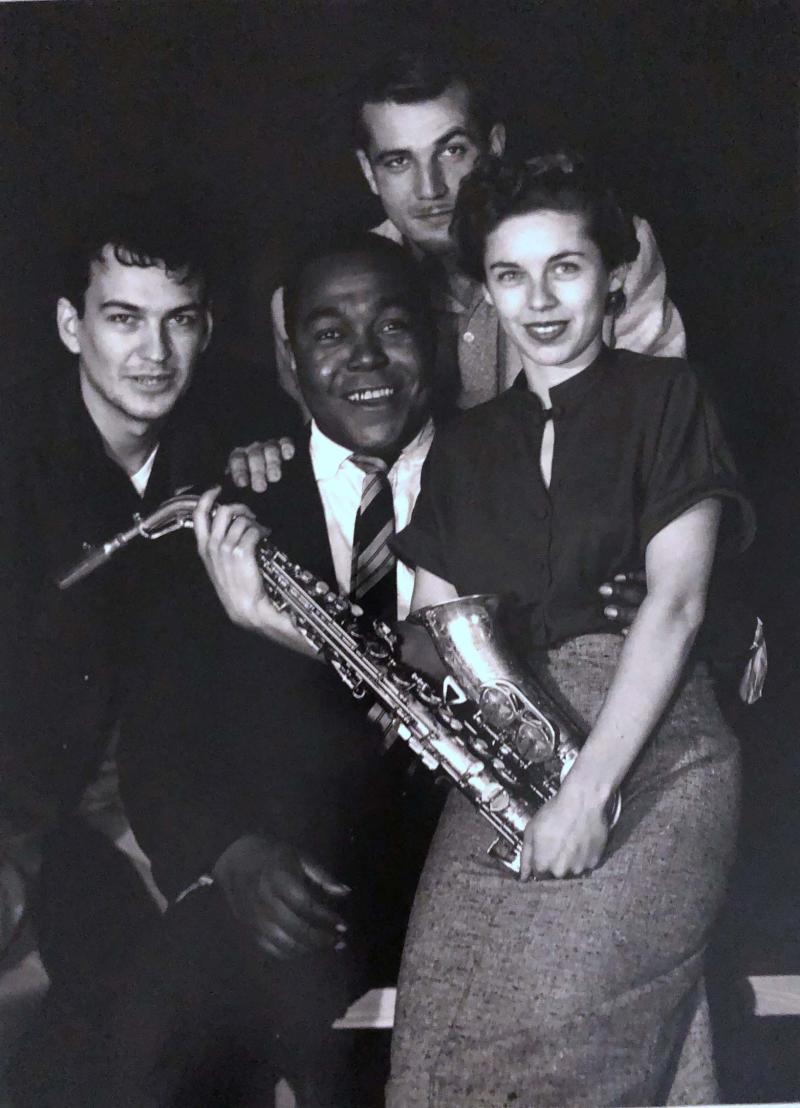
260 464
320 877
623 597
553 847
290 918
201 517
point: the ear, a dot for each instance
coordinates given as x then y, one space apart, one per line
67 320
209 329
366 169
497 139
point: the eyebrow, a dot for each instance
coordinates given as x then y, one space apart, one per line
554 258
192 305
442 140
333 312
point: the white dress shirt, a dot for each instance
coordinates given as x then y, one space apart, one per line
340 482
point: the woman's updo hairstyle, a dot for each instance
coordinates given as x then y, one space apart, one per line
498 188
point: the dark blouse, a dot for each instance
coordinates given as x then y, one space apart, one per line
636 444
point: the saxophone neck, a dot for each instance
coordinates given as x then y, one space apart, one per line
171 515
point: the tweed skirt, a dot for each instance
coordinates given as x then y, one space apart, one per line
585 991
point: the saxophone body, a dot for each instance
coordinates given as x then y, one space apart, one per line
488 728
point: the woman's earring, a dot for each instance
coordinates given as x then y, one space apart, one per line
615 302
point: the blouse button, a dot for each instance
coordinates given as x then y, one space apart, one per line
468 337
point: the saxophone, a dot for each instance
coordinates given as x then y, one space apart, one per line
503 742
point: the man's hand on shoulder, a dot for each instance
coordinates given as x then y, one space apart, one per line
260 464
622 598
284 900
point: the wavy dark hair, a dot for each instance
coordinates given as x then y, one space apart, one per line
412 74
498 188
141 230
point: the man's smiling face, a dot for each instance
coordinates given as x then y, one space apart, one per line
362 353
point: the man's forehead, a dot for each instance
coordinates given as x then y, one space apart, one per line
109 278
344 282
394 126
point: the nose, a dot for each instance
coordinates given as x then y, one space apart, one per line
430 183
541 295
367 353
156 347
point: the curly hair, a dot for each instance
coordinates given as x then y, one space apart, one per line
498 188
141 230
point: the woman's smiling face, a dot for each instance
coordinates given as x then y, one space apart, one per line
549 284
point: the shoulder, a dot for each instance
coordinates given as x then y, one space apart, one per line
648 375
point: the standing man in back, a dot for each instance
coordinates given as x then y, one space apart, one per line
420 121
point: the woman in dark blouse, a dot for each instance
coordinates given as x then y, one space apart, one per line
585 987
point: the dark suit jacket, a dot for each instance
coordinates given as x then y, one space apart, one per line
247 736
66 656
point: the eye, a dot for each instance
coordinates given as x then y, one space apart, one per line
392 326
566 269
327 334
122 318
456 150
508 276
186 320
399 161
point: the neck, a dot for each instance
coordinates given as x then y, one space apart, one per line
542 378
128 442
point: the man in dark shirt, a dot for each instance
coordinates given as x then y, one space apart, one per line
83 451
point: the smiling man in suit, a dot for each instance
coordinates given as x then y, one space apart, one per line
252 781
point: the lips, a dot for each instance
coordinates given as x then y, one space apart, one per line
371 396
152 382
547 331
435 215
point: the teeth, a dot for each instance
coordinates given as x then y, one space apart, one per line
546 328
364 395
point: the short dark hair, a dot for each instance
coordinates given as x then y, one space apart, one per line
411 75
373 246
142 230
498 188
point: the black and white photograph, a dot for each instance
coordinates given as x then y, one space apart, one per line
400 575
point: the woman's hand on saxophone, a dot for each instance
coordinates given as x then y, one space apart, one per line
227 536
568 834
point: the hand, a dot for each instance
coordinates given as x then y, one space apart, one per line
227 536
623 596
260 464
282 898
568 834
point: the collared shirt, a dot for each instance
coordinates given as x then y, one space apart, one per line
487 363
140 478
636 444
340 482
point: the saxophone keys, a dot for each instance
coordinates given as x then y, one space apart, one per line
533 742
497 706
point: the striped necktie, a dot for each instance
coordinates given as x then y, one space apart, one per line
373 581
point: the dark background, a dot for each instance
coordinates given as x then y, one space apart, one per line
234 104
692 105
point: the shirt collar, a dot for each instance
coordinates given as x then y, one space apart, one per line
569 393
328 457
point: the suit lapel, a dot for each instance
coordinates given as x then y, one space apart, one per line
293 509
